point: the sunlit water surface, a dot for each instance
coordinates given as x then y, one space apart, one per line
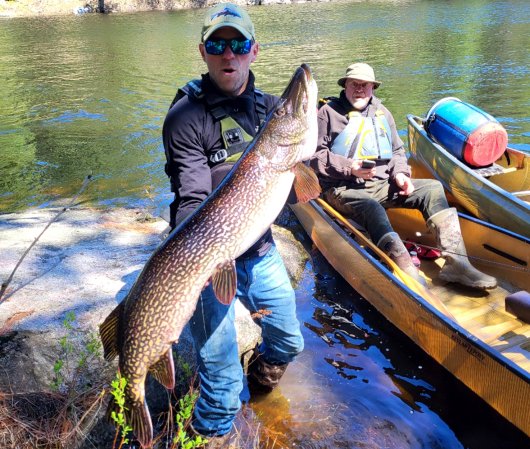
87 95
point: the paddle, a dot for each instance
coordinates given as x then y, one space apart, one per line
409 281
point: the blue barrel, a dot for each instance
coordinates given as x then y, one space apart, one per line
467 132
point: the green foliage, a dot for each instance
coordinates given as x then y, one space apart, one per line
183 366
118 393
72 370
183 410
183 419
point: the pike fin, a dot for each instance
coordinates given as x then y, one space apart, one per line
139 419
164 370
306 185
108 332
224 282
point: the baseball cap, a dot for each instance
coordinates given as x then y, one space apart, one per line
227 15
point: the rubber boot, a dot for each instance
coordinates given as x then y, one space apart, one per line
263 377
457 267
392 245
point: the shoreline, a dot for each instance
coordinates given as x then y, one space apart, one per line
49 8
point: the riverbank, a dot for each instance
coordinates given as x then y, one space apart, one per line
81 261
64 270
29 8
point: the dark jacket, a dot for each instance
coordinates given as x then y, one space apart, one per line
334 170
191 135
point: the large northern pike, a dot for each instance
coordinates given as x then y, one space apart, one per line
142 328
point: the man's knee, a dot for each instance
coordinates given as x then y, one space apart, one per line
433 196
372 207
357 207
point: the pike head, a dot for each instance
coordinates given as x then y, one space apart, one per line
291 134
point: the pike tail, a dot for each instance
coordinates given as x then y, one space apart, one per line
139 419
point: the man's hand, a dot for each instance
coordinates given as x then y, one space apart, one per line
404 183
359 172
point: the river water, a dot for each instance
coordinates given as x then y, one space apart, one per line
87 95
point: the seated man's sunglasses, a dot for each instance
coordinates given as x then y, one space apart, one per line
218 46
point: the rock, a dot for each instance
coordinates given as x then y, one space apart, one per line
22 8
79 269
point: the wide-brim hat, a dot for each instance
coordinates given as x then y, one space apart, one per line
360 71
228 15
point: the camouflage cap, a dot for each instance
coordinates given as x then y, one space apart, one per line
228 15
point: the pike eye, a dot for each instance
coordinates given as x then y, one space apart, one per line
280 112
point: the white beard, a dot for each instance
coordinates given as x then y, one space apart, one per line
360 103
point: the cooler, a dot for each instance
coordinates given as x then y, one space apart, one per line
467 132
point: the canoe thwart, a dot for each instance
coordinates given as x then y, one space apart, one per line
518 304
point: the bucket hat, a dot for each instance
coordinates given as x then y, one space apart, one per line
360 71
228 15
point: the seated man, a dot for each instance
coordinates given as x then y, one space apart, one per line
356 128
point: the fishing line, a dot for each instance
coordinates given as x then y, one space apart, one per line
476 258
63 210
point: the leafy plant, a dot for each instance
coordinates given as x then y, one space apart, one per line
78 350
118 393
183 366
183 419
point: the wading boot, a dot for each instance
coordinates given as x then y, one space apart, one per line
457 267
215 442
263 377
392 245
222 442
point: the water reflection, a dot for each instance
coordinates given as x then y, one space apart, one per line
353 387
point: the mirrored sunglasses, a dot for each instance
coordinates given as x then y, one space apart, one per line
218 46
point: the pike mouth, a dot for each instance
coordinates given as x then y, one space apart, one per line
296 96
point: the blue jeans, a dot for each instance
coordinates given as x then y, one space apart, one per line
262 283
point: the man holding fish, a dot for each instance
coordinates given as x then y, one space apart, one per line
210 123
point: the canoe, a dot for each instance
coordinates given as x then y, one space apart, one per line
468 332
499 194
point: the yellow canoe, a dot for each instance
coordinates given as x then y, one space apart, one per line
468 332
